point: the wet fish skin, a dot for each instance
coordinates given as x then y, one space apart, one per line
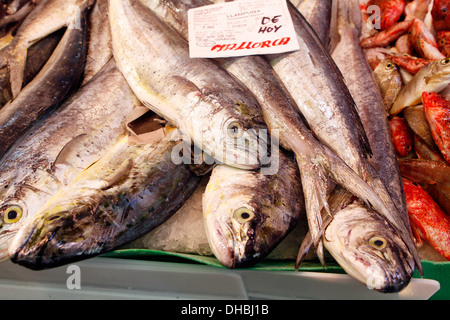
386 36
48 90
361 82
437 112
440 14
443 42
391 11
38 55
368 249
402 136
247 213
318 14
129 191
423 41
61 146
316 162
389 81
409 63
433 77
48 17
99 50
196 95
417 121
427 218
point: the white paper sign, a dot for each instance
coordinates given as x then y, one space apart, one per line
240 28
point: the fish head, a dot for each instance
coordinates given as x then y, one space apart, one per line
369 249
236 135
244 218
62 230
19 200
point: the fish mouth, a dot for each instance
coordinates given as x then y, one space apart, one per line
51 242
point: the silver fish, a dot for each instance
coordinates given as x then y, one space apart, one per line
369 249
99 50
209 106
362 84
126 193
48 17
435 77
318 15
315 161
56 150
389 81
48 90
247 213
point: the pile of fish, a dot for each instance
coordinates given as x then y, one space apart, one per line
108 129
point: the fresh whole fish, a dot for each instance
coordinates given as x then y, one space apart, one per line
209 106
417 9
322 100
369 249
437 112
61 146
361 82
247 213
48 90
48 17
402 136
433 77
129 191
429 221
389 81
316 162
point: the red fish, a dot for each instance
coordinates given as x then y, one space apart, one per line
402 136
443 41
427 218
409 63
437 112
385 37
441 15
423 41
390 11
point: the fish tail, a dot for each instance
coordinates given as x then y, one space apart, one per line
315 183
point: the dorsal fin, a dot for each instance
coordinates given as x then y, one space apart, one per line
67 152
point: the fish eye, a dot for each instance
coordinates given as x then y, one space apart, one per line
243 215
445 61
377 242
12 214
234 130
389 66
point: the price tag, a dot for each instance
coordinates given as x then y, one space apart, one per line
241 28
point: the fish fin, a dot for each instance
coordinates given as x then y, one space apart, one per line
118 173
67 152
304 249
315 186
17 64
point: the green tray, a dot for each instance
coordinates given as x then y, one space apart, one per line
439 271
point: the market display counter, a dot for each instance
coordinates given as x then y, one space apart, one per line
147 274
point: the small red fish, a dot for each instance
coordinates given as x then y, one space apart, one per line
443 42
402 136
390 11
437 112
441 15
427 218
385 37
409 63
423 41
